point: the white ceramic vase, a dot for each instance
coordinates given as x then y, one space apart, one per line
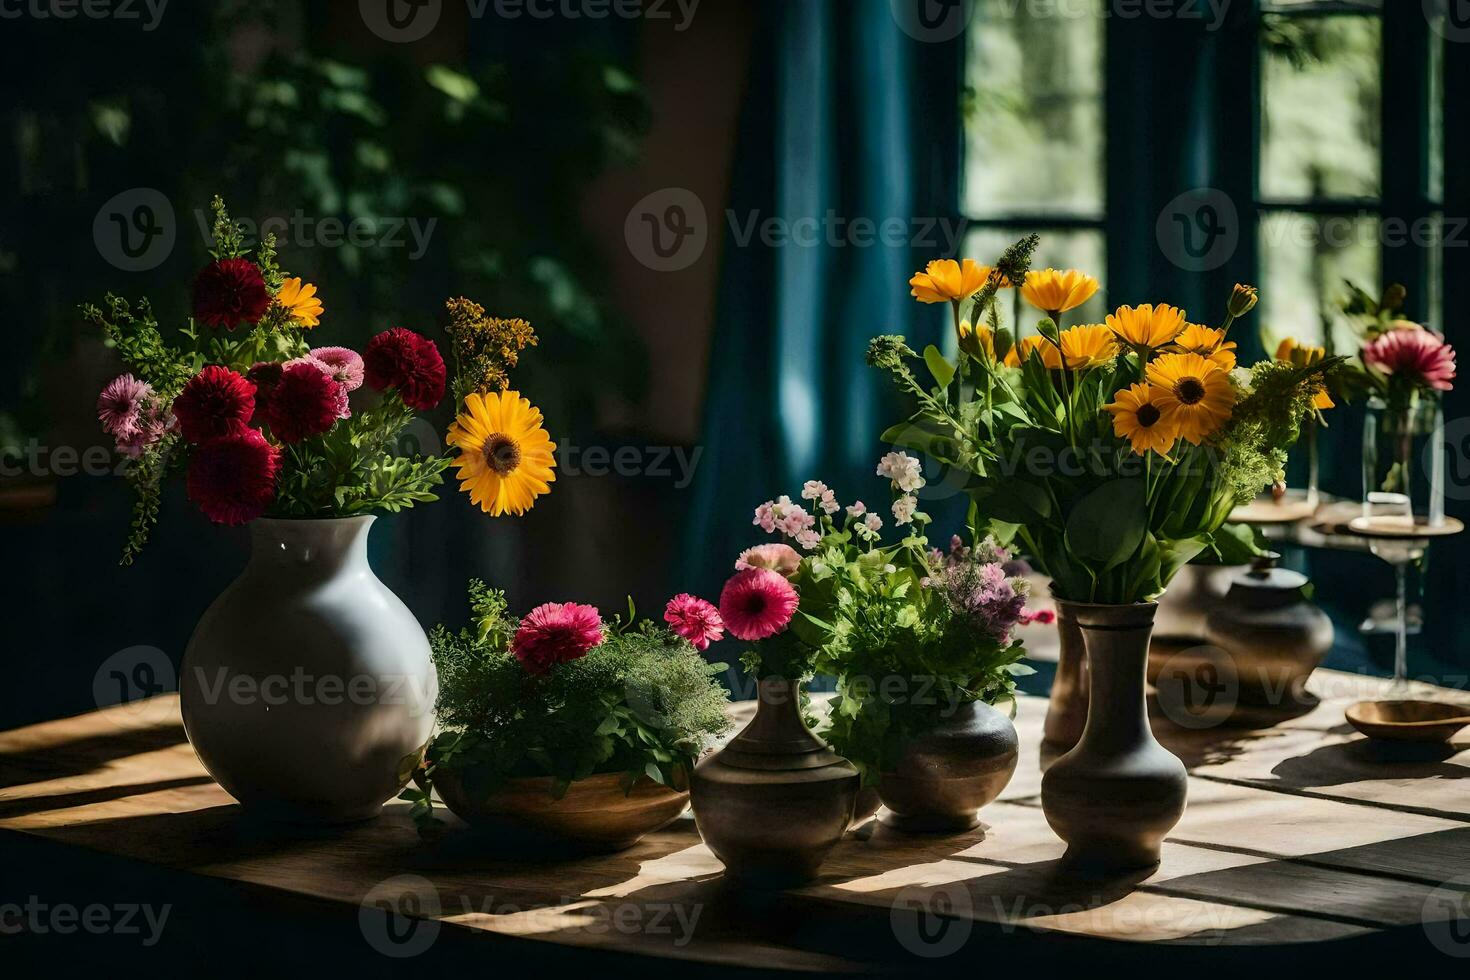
307 688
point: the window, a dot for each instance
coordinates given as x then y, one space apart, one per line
1349 184
1034 138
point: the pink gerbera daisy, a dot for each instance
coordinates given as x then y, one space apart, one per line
1419 356
695 620
120 404
757 603
780 558
554 633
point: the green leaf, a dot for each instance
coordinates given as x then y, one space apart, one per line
1108 524
942 370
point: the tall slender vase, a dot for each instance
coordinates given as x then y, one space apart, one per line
1066 709
1118 792
307 688
773 802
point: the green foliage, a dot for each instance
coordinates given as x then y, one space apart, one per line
643 703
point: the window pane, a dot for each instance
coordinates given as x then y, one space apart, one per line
1060 250
1033 111
1320 118
1304 260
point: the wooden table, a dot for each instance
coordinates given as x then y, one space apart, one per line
1303 833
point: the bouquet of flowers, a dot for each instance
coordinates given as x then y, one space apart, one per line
263 423
907 630
1112 452
565 694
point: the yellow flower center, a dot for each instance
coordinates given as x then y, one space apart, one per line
1189 391
502 453
1148 416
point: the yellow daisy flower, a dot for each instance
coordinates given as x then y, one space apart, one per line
1208 343
1023 349
505 456
300 300
1194 391
1091 345
1055 292
1305 355
1146 326
1138 417
977 341
945 280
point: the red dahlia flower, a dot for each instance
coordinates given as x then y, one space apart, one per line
404 360
305 402
213 403
230 292
232 478
554 633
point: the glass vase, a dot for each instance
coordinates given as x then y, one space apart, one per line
1403 463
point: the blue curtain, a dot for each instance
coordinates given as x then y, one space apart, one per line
827 154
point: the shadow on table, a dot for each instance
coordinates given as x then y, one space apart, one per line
1363 759
84 755
30 805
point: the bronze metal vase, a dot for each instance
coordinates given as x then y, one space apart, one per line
774 801
1115 795
947 774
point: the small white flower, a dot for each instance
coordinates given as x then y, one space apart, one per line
858 508
903 509
829 502
813 490
903 470
872 522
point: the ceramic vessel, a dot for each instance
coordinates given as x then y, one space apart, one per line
307 688
1115 795
1194 592
947 774
774 801
1066 708
1273 636
595 814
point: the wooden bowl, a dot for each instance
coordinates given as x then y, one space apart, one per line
1408 721
594 815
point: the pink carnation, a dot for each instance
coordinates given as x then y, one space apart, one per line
344 365
1419 356
780 558
757 603
695 620
555 633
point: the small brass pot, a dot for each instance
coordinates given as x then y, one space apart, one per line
947 774
594 815
773 802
